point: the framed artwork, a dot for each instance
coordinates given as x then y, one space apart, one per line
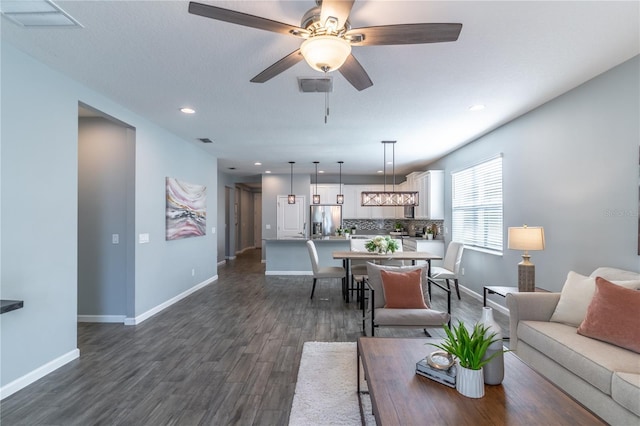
186 209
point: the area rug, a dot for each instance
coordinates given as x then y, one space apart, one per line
326 389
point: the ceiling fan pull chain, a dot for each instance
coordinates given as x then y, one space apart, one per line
326 106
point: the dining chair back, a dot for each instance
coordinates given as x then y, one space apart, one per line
450 269
324 272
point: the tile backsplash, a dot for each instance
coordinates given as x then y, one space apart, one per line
384 226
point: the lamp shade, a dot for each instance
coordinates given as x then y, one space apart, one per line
526 238
325 53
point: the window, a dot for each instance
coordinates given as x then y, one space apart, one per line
476 202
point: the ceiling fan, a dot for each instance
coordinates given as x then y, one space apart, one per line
328 37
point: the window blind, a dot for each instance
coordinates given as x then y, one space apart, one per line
476 203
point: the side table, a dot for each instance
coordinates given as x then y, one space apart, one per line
501 291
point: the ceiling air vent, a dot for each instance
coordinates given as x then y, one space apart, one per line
37 13
205 140
315 85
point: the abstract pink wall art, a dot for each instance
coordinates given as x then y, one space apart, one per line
186 209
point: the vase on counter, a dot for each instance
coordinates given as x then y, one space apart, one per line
494 370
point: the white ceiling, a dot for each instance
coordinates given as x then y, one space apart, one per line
154 57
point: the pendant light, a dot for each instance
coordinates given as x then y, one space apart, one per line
291 198
340 196
316 196
389 198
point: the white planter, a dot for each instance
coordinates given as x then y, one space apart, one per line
470 383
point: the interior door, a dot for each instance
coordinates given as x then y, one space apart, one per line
291 218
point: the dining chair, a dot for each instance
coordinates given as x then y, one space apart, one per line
324 272
450 268
413 315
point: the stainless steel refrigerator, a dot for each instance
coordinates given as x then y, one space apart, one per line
325 219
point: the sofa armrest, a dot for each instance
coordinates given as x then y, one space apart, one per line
529 306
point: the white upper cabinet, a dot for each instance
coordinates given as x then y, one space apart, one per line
328 192
430 185
352 208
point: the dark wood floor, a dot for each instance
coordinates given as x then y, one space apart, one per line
228 354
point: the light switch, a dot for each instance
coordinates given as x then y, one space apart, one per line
115 238
268 226
143 238
213 230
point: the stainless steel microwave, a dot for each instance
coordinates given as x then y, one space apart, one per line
408 212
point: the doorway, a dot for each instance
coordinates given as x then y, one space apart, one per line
106 218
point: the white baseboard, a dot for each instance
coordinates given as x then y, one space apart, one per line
102 318
37 374
222 262
288 273
151 312
490 303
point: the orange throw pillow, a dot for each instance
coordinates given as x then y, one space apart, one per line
613 316
403 290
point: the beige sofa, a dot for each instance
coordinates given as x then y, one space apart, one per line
603 377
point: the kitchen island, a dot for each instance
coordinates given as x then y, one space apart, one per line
290 256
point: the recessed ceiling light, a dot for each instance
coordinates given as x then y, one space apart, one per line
320 171
380 171
477 107
188 110
267 171
257 163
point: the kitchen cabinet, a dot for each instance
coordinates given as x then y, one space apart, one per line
430 246
430 185
352 208
351 202
328 192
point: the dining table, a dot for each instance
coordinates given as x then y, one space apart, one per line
413 256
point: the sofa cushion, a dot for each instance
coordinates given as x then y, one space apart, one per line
403 290
625 390
576 295
615 274
594 361
613 316
410 317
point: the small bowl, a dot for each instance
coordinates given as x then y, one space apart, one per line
440 360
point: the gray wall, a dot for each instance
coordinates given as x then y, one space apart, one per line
39 210
106 170
570 166
274 185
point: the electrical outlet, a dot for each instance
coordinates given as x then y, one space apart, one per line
115 238
462 271
193 272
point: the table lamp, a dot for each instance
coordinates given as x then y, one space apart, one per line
526 238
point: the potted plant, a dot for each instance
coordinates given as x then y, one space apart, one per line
429 233
469 349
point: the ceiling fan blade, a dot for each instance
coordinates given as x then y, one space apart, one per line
282 65
339 9
404 34
355 74
244 19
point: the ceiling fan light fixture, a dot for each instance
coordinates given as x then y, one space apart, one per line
325 53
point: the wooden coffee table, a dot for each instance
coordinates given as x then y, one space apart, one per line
400 397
